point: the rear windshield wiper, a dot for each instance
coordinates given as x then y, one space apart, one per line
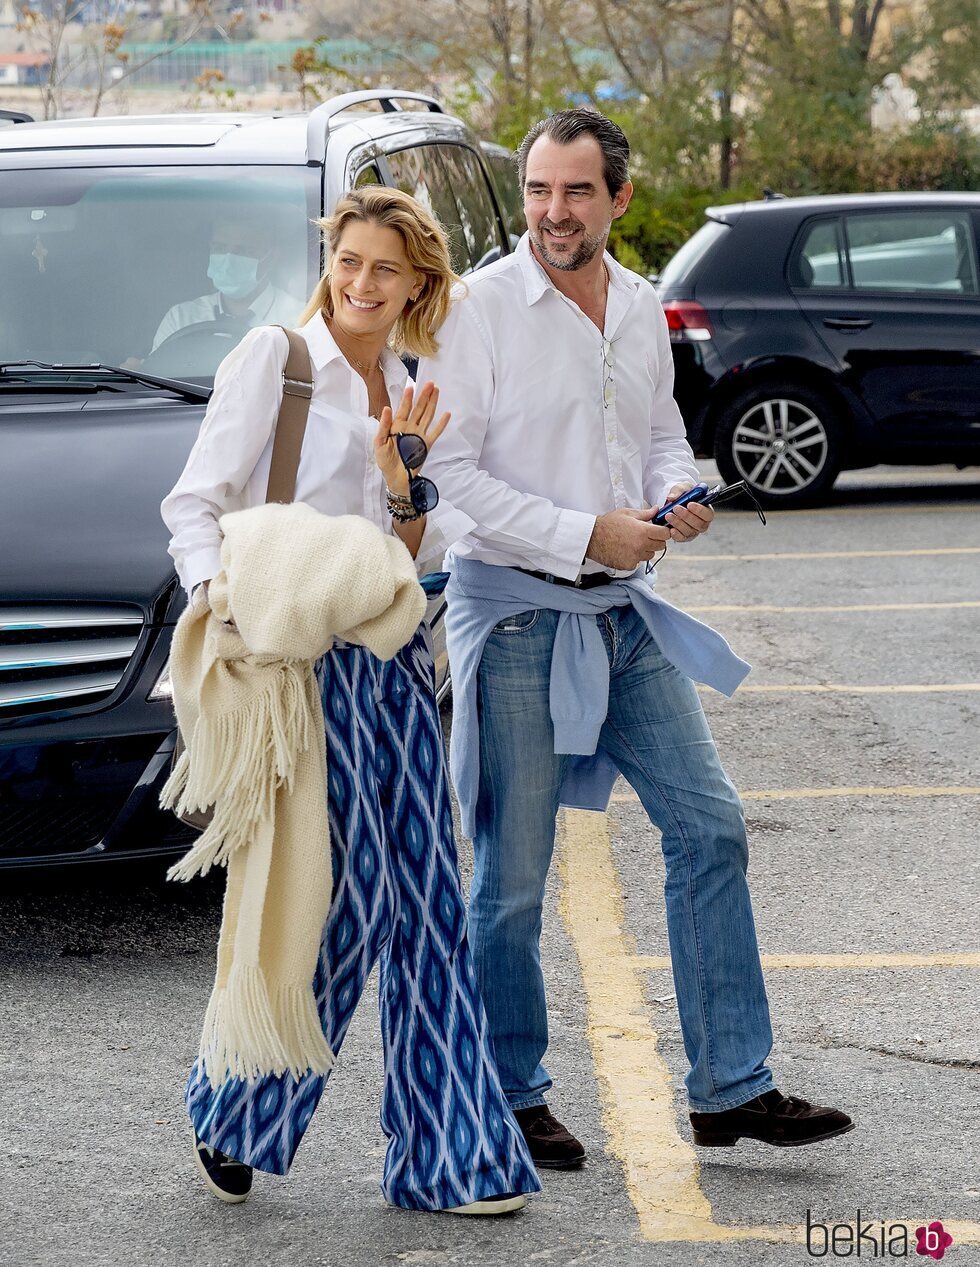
190 391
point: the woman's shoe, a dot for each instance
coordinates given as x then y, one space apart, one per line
505 1204
228 1179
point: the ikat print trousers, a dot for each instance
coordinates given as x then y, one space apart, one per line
451 1136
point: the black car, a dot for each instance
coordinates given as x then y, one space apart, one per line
816 334
108 348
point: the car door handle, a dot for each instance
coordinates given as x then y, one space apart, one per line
847 323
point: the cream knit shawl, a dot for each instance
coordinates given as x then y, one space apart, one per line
250 714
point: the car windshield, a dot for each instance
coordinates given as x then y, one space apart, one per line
158 269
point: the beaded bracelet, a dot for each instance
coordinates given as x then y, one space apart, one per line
401 509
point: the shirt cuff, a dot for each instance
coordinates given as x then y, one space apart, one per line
569 544
199 566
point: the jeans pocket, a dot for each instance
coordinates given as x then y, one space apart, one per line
519 623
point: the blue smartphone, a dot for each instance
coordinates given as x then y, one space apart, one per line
694 494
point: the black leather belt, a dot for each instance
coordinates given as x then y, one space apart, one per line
586 582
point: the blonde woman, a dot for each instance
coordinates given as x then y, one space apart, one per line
453 1143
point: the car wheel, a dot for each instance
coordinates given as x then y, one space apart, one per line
783 440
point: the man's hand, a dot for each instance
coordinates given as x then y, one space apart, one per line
626 538
687 522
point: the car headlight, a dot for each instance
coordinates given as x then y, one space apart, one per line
163 687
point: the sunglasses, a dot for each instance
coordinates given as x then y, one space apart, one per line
413 451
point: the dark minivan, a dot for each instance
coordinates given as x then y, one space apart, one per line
816 334
108 348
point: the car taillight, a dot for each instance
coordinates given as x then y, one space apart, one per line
687 321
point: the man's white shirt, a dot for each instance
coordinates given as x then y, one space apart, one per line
272 307
228 467
539 444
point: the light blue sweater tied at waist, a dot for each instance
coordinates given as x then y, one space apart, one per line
480 596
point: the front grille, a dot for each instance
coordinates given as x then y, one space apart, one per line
56 657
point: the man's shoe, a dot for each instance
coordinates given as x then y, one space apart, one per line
550 1144
507 1203
782 1120
228 1179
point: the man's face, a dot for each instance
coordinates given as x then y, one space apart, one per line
566 202
239 237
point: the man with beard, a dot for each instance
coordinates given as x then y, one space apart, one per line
567 666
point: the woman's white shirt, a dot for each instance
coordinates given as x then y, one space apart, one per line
228 467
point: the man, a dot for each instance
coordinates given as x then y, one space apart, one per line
240 260
567 667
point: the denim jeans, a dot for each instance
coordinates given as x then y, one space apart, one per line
656 733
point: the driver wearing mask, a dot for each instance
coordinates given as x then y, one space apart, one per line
239 266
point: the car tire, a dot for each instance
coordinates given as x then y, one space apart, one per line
784 440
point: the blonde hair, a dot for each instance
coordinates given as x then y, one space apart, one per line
427 250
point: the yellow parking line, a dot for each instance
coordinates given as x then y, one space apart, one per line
849 607
820 554
954 959
840 688
815 793
660 1168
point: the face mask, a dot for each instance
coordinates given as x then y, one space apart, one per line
234 275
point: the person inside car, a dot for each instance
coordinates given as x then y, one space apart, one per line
241 259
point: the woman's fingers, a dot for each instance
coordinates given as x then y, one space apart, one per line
385 423
405 406
436 430
424 408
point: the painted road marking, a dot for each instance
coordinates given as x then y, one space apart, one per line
821 554
660 1168
839 688
850 607
813 793
852 962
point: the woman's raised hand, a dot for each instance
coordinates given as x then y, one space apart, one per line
415 416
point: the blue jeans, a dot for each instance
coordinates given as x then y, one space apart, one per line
656 733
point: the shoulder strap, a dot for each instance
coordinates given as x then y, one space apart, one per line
297 390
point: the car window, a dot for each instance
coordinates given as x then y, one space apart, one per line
418 172
818 261
159 268
929 251
682 265
477 214
368 175
504 170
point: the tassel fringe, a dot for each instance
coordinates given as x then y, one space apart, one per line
240 760
247 1034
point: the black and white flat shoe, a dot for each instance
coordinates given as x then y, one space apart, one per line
229 1180
507 1203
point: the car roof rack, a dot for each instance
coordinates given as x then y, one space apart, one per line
321 117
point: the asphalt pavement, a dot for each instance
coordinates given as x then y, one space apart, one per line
856 744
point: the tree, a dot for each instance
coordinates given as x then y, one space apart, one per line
83 44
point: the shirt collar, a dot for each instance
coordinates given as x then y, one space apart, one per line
537 282
323 350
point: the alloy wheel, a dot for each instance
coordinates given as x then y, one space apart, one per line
780 446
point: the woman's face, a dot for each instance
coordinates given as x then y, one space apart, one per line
371 279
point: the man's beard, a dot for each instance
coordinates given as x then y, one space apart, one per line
568 262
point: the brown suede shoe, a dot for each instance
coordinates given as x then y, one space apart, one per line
550 1144
777 1119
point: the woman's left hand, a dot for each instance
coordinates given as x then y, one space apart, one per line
414 416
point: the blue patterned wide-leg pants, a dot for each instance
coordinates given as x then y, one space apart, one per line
452 1138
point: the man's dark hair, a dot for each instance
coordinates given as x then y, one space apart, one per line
566 126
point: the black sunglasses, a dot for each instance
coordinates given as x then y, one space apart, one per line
413 451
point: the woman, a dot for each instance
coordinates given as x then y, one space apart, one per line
453 1143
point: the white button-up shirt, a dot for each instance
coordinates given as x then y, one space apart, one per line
228 467
554 423
273 307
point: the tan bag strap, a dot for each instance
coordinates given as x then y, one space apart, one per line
297 391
